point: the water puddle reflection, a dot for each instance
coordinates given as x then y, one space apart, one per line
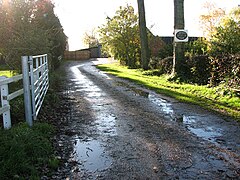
91 155
207 133
85 85
188 120
106 121
196 124
140 92
166 107
106 124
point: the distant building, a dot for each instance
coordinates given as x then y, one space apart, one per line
84 54
96 51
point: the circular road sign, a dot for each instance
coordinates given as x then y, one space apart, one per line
181 35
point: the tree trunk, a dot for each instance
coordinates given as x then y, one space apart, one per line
145 55
179 66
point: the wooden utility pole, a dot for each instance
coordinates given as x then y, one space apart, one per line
178 54
145 55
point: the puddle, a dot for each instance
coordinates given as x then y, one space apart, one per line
139 92
194 123
106 121
83 84
166 107
136 91
91 156
106 124
206 134
89 88
188 120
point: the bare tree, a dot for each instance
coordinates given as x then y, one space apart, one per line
211 19
90 38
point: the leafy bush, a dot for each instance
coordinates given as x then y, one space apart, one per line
153 63
165 65
195 48
226 37
226 69
156 44
166 51
200 69
31 28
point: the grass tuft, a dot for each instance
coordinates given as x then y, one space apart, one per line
24 151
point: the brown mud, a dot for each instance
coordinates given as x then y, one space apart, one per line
114 129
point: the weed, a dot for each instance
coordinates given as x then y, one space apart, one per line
53 163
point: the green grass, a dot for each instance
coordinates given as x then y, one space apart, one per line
7 73
28 153
219 99
24 151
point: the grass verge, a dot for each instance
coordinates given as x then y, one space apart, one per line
28 153
7 73
220 99
25 151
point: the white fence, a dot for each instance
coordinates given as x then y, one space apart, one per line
6 98
35 86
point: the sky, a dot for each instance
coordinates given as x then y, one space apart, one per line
80 16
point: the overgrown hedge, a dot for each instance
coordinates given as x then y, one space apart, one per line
226 69
200 68
204 70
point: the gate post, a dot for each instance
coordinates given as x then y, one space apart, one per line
6 115
32 87
27 92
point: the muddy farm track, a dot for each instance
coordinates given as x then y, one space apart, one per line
115 129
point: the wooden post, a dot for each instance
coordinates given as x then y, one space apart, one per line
179 66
